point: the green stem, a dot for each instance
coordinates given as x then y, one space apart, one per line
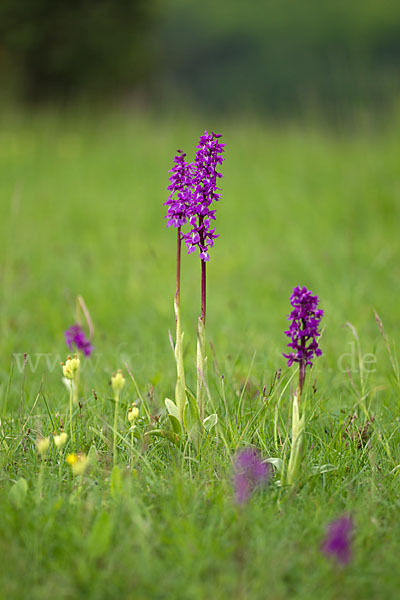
75 388
59 473
201 338
132 430
201 365
71 399
297 448
40 483
116 398
180 388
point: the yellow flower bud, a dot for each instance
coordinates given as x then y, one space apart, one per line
42 445
60 440
133 413
67 371
79 463
75 363
71 367
117 382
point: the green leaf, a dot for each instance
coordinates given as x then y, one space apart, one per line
116 482
277 463
320 469
176 426
171 408
192 414
93 456
210 421
170 436
100 535
18 492
173 413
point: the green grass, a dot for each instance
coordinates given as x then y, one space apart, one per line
81 213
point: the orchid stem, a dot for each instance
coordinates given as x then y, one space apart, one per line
298 430
180 388
203 292
116 398
39 491
201 343
178 267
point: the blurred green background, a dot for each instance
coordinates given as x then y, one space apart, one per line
281 57
95 98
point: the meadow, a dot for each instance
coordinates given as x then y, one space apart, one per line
81 213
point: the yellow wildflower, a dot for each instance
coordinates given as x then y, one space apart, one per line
133 413
117 382
79 463
42 445
71 367
60 440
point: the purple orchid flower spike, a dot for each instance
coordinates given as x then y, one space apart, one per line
250 472
179 199
204 193
304 320
337 542
74 336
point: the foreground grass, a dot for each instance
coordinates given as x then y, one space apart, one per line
81 213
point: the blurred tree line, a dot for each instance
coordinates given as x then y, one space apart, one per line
63 49
283 54
228 54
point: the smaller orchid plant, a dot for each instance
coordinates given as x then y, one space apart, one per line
79 344
76 339
303 332
177 215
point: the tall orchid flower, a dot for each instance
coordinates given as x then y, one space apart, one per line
177 214
193 190
204 193
202 235
304 332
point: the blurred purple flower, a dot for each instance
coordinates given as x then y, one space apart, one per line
250 471
74 336
303 331
337 542
180 187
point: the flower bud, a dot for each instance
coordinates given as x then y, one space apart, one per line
42 445
133 413
117 382
71 367
60 440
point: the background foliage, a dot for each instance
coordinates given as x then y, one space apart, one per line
282 56
61 50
